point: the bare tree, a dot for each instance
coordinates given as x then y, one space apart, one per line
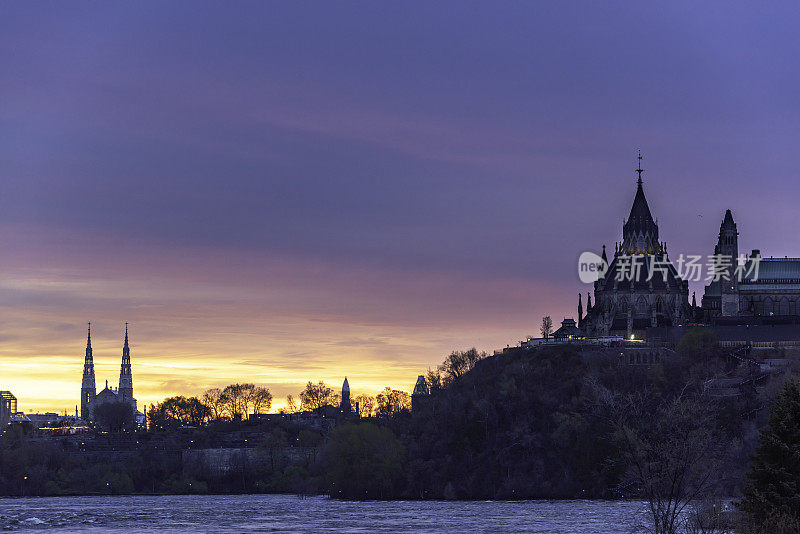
214 400
260 399
234 401
315 396
671 451
547 327
460 362
291 404
434 379
366 405
392 401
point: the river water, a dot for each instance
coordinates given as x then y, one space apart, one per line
285 513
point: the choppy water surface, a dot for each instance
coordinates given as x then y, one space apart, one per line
282 513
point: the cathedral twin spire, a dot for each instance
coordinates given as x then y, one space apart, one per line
88 387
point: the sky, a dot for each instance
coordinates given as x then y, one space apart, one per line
282 192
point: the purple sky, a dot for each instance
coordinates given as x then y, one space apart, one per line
391 180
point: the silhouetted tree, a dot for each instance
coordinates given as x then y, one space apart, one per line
259 398
392 402
236 400
291 404
114 416
547 327
174 412
460 362
315 396
671 450
772 493
215 401
366 405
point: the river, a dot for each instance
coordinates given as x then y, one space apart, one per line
285 513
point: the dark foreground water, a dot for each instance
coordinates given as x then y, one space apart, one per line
282 513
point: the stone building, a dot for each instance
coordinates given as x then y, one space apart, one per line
752 286
420 395
90 399
8 407
345 405
641 287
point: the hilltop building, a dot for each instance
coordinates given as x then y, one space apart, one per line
8 407
421 394
568 331
629 306
90 399
772 289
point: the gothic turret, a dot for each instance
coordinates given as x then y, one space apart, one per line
728 250
125 375
580 310
421 395
345 406
88 388
640 232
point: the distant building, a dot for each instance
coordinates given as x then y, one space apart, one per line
345 405
629 306
772 289
88 389
8 407
568 331
39 420
421 394
90 399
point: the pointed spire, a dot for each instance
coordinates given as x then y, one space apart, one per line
639 169
640 212
640 231
603 255
588 301
728 217
89 338
694 300
125 373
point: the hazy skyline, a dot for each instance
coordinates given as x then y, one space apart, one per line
288 192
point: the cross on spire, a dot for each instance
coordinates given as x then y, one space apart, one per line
639 169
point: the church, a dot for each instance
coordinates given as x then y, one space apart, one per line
90 399
649 294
